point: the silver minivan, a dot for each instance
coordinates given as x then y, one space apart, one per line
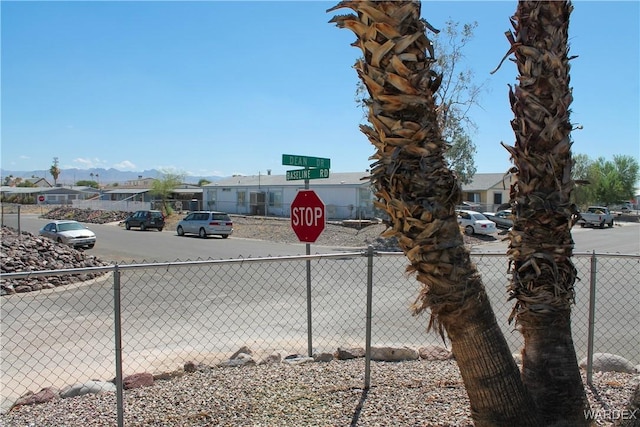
206 223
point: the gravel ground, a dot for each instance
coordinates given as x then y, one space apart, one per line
417 393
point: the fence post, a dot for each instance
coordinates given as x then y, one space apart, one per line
592 313
367 351
118 344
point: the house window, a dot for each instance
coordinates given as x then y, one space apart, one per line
365 196
497 198
473 197
275 199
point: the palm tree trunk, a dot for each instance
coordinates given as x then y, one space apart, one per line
419 193
541 246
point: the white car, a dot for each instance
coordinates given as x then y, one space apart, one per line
71 233
206 223
475 223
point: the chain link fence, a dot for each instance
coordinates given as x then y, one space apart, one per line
155 317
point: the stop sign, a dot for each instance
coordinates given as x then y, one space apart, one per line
307 216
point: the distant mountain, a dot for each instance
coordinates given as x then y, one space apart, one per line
103 176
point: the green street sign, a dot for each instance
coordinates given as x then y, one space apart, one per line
307 174
306 162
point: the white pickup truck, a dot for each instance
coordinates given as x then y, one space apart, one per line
596 216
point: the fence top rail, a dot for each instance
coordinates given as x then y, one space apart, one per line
575 254
171 264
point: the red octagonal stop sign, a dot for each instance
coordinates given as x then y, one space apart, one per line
307 216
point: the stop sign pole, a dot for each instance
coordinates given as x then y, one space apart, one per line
309 318
308 221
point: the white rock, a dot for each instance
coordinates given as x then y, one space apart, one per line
607 362
93 387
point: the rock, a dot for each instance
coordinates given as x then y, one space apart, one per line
349 353
44 395
189 367
607 362
323 357
27 252
298 360
240 359
142 379
391 354
272 359
434 352
93 387
243 349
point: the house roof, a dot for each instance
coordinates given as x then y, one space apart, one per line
338 178
127 191
481 181
48 190
484 181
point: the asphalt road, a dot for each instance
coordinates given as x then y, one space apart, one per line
114 243
205 312
119 245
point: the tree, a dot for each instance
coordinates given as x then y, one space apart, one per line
603 181
614 182
25 183
582 195
54 170
415 187
87 183
457 95
164 186
541 245
203 181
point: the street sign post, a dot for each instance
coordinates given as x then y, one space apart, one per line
308 217
317 173
307 213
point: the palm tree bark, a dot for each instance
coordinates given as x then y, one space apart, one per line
541 245
419 193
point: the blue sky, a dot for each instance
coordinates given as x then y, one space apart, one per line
218 88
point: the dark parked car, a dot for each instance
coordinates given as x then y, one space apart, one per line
144 220
503 219
71 233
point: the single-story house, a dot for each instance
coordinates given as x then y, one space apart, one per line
488 190
136 197
345 195
50 195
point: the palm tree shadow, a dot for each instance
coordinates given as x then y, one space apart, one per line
358 411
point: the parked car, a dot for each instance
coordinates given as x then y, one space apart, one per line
596 216
144 220
501 218
206 223
475 223
68 232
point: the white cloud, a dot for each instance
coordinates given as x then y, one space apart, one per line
125 165
23 157
89 163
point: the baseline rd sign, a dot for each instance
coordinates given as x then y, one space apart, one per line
308 217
